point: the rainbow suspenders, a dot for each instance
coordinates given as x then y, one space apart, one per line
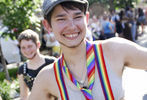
102 72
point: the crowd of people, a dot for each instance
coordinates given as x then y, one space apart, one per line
84 69
124 23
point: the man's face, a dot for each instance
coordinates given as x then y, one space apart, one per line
28 48
69 26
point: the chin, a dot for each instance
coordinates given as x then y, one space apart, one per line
72 45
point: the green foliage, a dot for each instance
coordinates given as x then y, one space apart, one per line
116 3
18 15
4 88
12 72
8 87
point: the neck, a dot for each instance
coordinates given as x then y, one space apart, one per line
74 55
36 61
75 59
36 57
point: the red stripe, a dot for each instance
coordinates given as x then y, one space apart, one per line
88 53
71 77
91 72
108 82
55 70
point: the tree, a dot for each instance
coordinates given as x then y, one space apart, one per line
18 15
112 4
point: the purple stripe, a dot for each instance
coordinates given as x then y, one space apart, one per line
100 73
88 46
89 96
62 79
91 65
91 85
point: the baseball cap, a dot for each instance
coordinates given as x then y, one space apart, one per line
48 5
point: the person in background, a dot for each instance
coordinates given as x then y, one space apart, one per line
108 27
29 45
86 70
53 44
141 19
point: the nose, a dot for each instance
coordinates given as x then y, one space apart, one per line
72 24
27 49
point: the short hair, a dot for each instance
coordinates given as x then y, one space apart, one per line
28 35
67 5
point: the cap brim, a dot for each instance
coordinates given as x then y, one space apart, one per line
46 11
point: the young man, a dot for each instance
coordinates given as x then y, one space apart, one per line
29 46
86 70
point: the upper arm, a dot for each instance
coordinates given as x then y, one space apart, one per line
136 56
131 53
44 85
23 87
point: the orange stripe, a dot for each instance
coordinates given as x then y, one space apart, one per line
106 74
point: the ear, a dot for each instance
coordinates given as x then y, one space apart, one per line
87 17
38 44
46 25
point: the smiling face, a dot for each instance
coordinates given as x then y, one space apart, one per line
69 26
28 48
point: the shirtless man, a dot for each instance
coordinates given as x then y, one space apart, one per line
86 70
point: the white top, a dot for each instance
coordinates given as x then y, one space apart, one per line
51 41
75 94
10 50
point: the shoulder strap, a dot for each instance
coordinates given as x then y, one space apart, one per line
60 80
25 68
102 72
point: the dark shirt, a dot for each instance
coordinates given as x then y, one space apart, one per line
29 74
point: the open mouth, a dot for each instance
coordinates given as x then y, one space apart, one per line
71 36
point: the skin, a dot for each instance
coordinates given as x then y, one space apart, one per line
125 53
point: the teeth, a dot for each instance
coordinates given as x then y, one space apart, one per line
71 35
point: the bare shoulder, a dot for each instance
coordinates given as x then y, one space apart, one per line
50 57
120 48
117 43
45 81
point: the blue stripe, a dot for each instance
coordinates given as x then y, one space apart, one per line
87 94
88 46
91 64
62 80
91 85
100 73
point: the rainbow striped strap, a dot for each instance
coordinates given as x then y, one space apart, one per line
90 63
60 80
102 72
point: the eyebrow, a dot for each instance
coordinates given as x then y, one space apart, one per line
62 15
78 13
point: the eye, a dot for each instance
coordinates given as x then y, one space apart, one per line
61 19
22 48
79 17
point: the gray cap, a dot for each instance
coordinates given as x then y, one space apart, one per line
48 5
